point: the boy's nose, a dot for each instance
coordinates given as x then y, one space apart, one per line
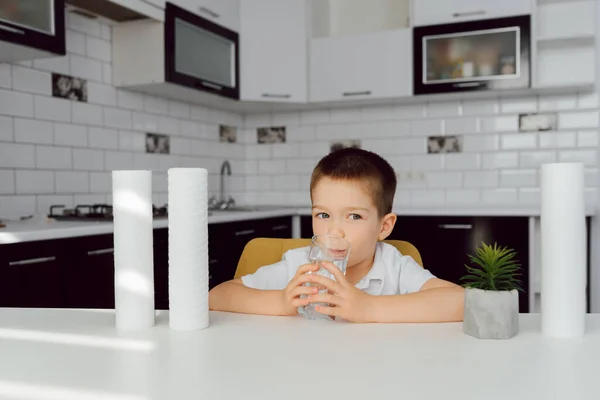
336 231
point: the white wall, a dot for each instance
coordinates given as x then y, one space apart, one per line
55 151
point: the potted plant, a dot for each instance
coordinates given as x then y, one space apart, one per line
491 309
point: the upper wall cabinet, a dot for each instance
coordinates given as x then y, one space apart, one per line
31 29
360 50
273 50
122 10
222 12
433 12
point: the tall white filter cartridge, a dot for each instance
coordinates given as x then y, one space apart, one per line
133 249
188 249
563 248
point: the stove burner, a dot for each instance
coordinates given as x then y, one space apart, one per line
95 212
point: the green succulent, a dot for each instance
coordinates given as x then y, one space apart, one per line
495 268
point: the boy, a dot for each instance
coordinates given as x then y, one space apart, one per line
352 192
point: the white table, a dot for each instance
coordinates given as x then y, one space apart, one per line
79 355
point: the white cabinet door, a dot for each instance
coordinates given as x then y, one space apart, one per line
223 12
369 66
433 12
273 50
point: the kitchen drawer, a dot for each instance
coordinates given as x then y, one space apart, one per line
434 12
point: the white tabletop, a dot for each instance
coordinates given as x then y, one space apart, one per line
79 355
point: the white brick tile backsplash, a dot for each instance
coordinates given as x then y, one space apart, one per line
518 141
389 129
47 157
211 132
481 179
557 103
100 93
427 127
156 105
136 142
587 138
5 76
52 108
59 65
145 122
383 147
200 148
345 115
444 179
286 150
75 42
536 159
98 49
44 202
273 198
587 100
464 162
587 157
286 182
555 140
101 138
499 124
89 198
82 24
16 206
70 135
298 198
518 178
88 160
101 182
199 113
461 125
114 160
270 167
86 68
475 143
15 103
499 196
179 146
399 163
377 113
313 150
430 162
130 100
463 196
410 146
7 182
518 105
33 131
409 111
178 109
17 155
315 117
286 118
6 129
299 166
427 197
401 199
107 73
86 114
245 167
480 107
443 109
500 160
168 125
168 161
119 119
332 132
258 151
578 120
33 182
591 195
30 80
72 182
258 183
257 120
146 161
591 177
529 195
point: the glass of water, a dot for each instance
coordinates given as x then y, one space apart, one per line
325 248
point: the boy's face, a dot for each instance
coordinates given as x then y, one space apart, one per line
342 208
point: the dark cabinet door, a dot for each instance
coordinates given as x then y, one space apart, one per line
306 230
161 269
89 275
278 228
31 274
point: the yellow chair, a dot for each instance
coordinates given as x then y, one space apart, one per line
264 251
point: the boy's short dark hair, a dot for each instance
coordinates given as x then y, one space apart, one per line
375 174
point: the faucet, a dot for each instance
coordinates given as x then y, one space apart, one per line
222 203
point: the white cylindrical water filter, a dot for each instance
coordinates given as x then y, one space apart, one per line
188 248
564 250
133 249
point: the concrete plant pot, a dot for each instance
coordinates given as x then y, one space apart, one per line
491 314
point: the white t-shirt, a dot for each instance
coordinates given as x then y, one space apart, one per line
392 273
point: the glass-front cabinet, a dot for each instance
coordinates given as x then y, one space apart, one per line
31 29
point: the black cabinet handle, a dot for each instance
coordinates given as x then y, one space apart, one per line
276 96
280 227
11 29
456 226
364 93
99 252
246 232
209 12
210 262
32 261
468 14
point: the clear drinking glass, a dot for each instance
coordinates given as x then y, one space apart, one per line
325 248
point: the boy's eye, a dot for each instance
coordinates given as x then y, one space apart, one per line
322 215
355 216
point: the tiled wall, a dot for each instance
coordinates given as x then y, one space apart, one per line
57 151
498 164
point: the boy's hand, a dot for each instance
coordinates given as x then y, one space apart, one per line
348 302
290 296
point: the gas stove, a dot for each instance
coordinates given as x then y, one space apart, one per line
94 212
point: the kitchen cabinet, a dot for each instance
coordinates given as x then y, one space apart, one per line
273 50
31 29
371 66
31 274
223 12
434 12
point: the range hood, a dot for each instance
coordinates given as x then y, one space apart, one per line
119 10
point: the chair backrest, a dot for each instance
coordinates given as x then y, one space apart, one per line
265 251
